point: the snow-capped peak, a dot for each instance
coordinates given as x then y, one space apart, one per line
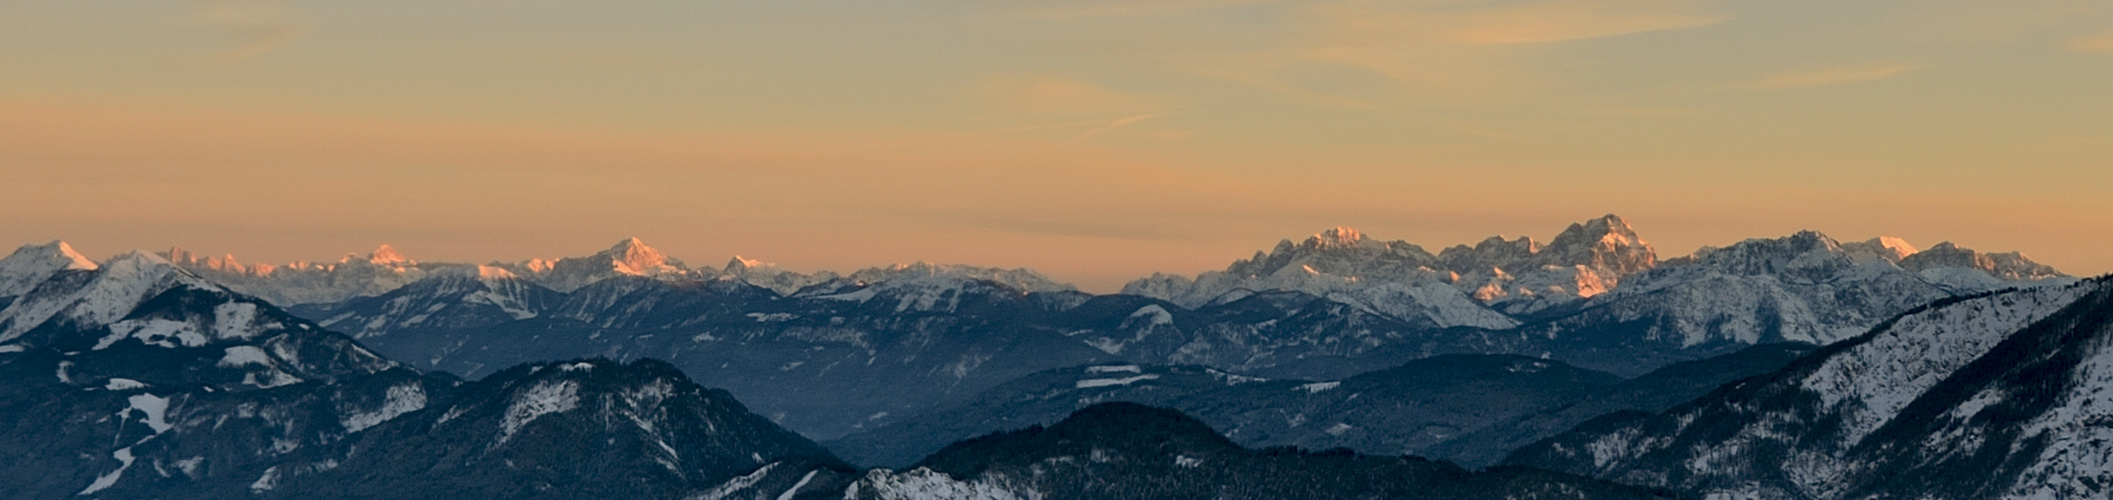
739 263
56 254
1340 237
31 264
387 256
633 257
1896 244
1886 248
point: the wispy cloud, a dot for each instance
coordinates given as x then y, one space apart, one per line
1827 77
1438 50
1567 20
258 26
2099 44
1510 23
1053 95
1115 124
1127 8
1091 127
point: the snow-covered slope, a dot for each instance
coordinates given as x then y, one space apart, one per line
1801 288
137 379
451 298
1992 396
575 429
30 265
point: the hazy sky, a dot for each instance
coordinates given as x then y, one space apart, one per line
1096 141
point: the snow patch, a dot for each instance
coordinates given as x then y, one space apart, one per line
105 481
154 407
1112 369
123 384
730 487
1318 387
772 317
154 332
243 355
925 484
235 320
787 495
401 399
1153 315
543 399
1105 382
266 482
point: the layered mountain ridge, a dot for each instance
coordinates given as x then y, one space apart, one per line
1997 395
385 269
135 378
1329 307
1124 450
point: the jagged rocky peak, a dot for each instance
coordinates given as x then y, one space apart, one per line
1341 251
740 264
1813 251
1340 237
1606 245
2006 265
226 263
301 282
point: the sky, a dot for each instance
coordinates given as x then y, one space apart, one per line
1095 141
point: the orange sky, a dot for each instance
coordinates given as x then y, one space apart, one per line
1095 141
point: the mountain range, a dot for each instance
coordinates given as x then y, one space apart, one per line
136 378
1373 348
831 355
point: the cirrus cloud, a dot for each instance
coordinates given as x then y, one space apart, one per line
1827 77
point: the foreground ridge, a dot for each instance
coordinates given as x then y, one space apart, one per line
1125 450
1996 395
